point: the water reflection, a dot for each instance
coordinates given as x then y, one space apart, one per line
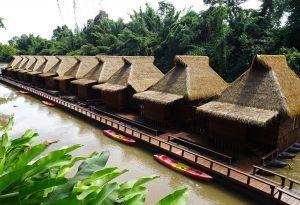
55 124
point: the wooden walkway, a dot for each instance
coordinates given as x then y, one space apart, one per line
268 189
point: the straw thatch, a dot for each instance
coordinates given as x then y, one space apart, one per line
22 64
30 64
14 63
138 72
39 66
192 78
246 115
68 67
52 65
102 68
269 84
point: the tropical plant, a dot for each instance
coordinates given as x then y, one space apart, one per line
28 175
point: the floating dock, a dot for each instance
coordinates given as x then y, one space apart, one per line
264 189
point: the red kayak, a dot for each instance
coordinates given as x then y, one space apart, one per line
51 104
118 137
24 92
182 168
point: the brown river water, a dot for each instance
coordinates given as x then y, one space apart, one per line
55 124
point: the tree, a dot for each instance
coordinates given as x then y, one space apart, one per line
226 32
6 52
1 23
294 23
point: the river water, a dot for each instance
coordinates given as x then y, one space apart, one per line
55 124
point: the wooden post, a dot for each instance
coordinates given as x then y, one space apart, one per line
196 158
211 165
282 181
279 194
272 187
291 185
228 171
248 180
254 171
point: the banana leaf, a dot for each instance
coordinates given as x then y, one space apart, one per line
179 197
108 195
86 169
10 199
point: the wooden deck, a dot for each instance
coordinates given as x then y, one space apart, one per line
272 191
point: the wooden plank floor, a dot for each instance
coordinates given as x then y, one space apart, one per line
240 177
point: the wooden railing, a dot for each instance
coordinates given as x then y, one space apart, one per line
283 191
283 182
133 123
208 151
281 177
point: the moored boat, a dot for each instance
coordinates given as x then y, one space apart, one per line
118 137
276 164
48 103
182 168
297 145
286 155
293 150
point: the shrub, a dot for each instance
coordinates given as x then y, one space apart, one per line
28 177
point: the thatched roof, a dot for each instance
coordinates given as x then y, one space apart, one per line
137 72
158 97
65 69
192 78
68 67
40 63
15 62
30 64
99 71
244 114
39 66
22 64
51 66
269 84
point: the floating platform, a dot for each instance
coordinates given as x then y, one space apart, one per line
266 190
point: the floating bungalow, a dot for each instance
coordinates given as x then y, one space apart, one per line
14 63
14 72
54 79
38 69
27 68
258 112
174 97
39 65
67 71
136 75
95 70
38 77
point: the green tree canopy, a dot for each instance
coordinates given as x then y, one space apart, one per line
226 32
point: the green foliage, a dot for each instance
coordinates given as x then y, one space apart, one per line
177 198
229 34
6 52
1 23
293 56
29 176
